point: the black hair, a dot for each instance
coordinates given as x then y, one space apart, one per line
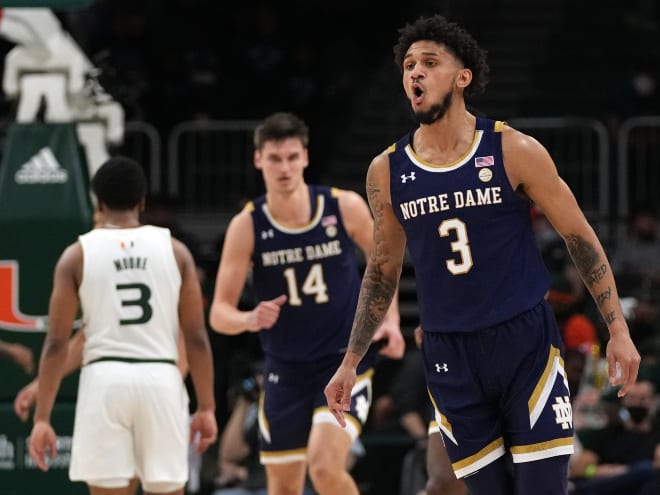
280 126
455 38
120 183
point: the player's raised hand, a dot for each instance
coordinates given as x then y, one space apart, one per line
265 314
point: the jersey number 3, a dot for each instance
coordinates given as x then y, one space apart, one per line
461 246
141 302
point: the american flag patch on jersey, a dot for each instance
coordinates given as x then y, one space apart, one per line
484 161
329 220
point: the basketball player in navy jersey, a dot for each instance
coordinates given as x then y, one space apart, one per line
137 288
456 191
299 242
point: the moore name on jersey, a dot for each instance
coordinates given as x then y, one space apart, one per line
130 263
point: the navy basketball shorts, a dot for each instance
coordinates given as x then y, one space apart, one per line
293 400
501 388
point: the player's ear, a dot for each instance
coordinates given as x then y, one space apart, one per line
257 159
464 78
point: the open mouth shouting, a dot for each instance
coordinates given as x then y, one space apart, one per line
417 93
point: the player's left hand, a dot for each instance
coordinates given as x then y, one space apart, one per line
203 430
622 361
395 345
42 439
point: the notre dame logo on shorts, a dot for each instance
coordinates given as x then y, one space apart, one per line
563 412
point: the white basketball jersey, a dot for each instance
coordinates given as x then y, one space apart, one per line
129 294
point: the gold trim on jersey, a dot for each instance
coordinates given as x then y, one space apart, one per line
320 207
448 167
499 124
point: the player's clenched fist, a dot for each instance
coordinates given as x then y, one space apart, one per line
265 314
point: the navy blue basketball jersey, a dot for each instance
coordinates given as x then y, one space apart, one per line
316 267
469 235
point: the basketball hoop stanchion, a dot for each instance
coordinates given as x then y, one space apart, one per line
63 126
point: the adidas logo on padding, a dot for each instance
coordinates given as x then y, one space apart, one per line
42 168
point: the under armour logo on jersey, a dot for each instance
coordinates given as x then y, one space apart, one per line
273 378
267 234
405 177
441 367
563 412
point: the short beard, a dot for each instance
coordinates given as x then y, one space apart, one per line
436 112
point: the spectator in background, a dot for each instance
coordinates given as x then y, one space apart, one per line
19 354
623 457
636 258
577 330
644 322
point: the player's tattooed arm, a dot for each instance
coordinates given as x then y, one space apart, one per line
375 299
378 283
593 270
588 262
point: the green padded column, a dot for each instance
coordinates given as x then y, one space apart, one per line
44 206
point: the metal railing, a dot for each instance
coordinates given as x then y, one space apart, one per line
638 169
211 164
142 143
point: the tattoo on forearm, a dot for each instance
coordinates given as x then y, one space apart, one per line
610 317
377 290
587 260
596 275
604 296
375 298
377 212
